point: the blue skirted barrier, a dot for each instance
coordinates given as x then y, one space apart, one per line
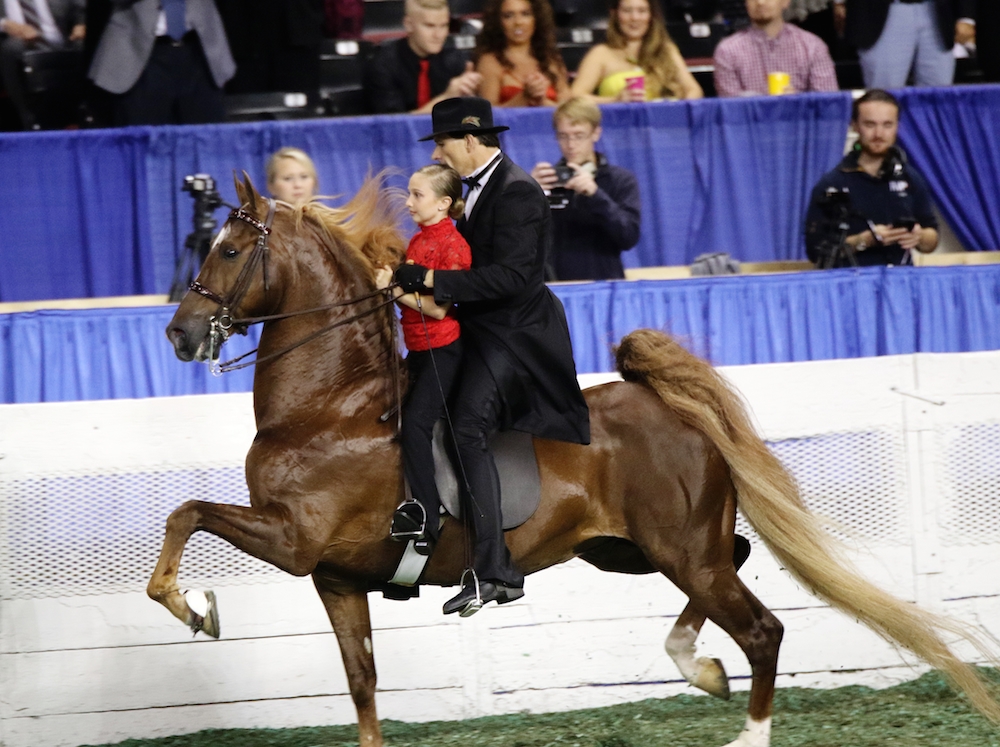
51 356
100 213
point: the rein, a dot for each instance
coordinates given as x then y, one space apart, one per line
223 323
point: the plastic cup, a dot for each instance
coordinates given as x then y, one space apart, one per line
778 83
636 82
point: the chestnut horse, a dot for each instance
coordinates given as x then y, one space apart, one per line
673 452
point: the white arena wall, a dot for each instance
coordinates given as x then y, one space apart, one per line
900 451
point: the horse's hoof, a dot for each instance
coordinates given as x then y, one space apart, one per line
204 612
712 678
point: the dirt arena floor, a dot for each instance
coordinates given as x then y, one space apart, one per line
922 712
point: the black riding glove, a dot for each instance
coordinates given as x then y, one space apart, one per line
411 279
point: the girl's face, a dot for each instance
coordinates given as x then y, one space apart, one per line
426 208
292 182
518 21
633 18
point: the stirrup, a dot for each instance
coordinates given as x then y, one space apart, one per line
476 604
415 530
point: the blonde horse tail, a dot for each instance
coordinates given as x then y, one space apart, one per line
770 500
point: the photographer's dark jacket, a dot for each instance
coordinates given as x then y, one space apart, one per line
898 192
590 233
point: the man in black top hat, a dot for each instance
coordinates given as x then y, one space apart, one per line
518 371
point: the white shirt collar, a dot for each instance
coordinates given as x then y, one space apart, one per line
483 173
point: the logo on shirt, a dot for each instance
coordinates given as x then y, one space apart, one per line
474 121
899 186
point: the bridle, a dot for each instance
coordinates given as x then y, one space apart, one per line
222 324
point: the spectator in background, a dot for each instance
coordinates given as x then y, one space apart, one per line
414 73
165 62
772 56
882 200
596 210
639 62
897 38
291 176
517 56
275 44
35 24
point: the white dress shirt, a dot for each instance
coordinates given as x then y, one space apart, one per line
483 174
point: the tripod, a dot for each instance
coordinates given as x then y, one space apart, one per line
841 250
199 241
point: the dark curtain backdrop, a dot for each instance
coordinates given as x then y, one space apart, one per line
50 356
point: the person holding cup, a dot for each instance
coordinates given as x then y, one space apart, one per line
639 61
772 57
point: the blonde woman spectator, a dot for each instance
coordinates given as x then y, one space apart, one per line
291 176
639 62
516 55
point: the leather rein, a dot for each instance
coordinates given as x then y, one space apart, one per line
222 324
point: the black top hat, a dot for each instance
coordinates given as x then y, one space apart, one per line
462 116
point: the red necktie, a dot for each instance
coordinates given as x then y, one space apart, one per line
424 83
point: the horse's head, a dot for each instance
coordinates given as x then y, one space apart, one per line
233 281
270 255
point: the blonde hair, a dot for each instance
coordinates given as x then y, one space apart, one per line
577 110
445 182
293 154
654 52
413 5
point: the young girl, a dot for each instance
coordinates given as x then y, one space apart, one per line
435 198
291 176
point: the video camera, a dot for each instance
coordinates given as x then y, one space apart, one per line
197 244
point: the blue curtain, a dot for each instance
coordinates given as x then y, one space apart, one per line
101 213
52 356
952 136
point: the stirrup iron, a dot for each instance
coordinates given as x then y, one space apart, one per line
404 535
476 604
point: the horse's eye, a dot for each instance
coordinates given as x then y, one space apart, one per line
230 252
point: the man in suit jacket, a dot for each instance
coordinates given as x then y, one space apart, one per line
55 24
518 371
895 36
164 69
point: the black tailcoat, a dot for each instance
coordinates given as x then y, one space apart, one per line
509 314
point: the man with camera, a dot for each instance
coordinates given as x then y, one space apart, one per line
595 205
874 208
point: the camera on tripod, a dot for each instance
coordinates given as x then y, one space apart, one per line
835 203
198 243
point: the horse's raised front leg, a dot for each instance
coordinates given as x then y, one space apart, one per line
348 611
267 533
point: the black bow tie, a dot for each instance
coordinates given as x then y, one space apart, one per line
471 181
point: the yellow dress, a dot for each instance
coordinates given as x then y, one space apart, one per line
615 83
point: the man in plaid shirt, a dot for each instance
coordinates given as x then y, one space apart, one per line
744 60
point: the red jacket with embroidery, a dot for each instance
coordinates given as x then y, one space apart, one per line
436 247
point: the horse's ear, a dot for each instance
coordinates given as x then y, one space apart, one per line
250 193
241 192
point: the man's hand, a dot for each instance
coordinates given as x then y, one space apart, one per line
965 33
544 174
466 84
411 278
22 31
78 32
582 182
906 239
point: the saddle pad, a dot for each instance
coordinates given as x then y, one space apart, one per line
520 484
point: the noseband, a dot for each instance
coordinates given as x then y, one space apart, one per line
222 323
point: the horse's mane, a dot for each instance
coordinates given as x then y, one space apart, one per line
366 226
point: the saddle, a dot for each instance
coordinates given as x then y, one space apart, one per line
520 492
